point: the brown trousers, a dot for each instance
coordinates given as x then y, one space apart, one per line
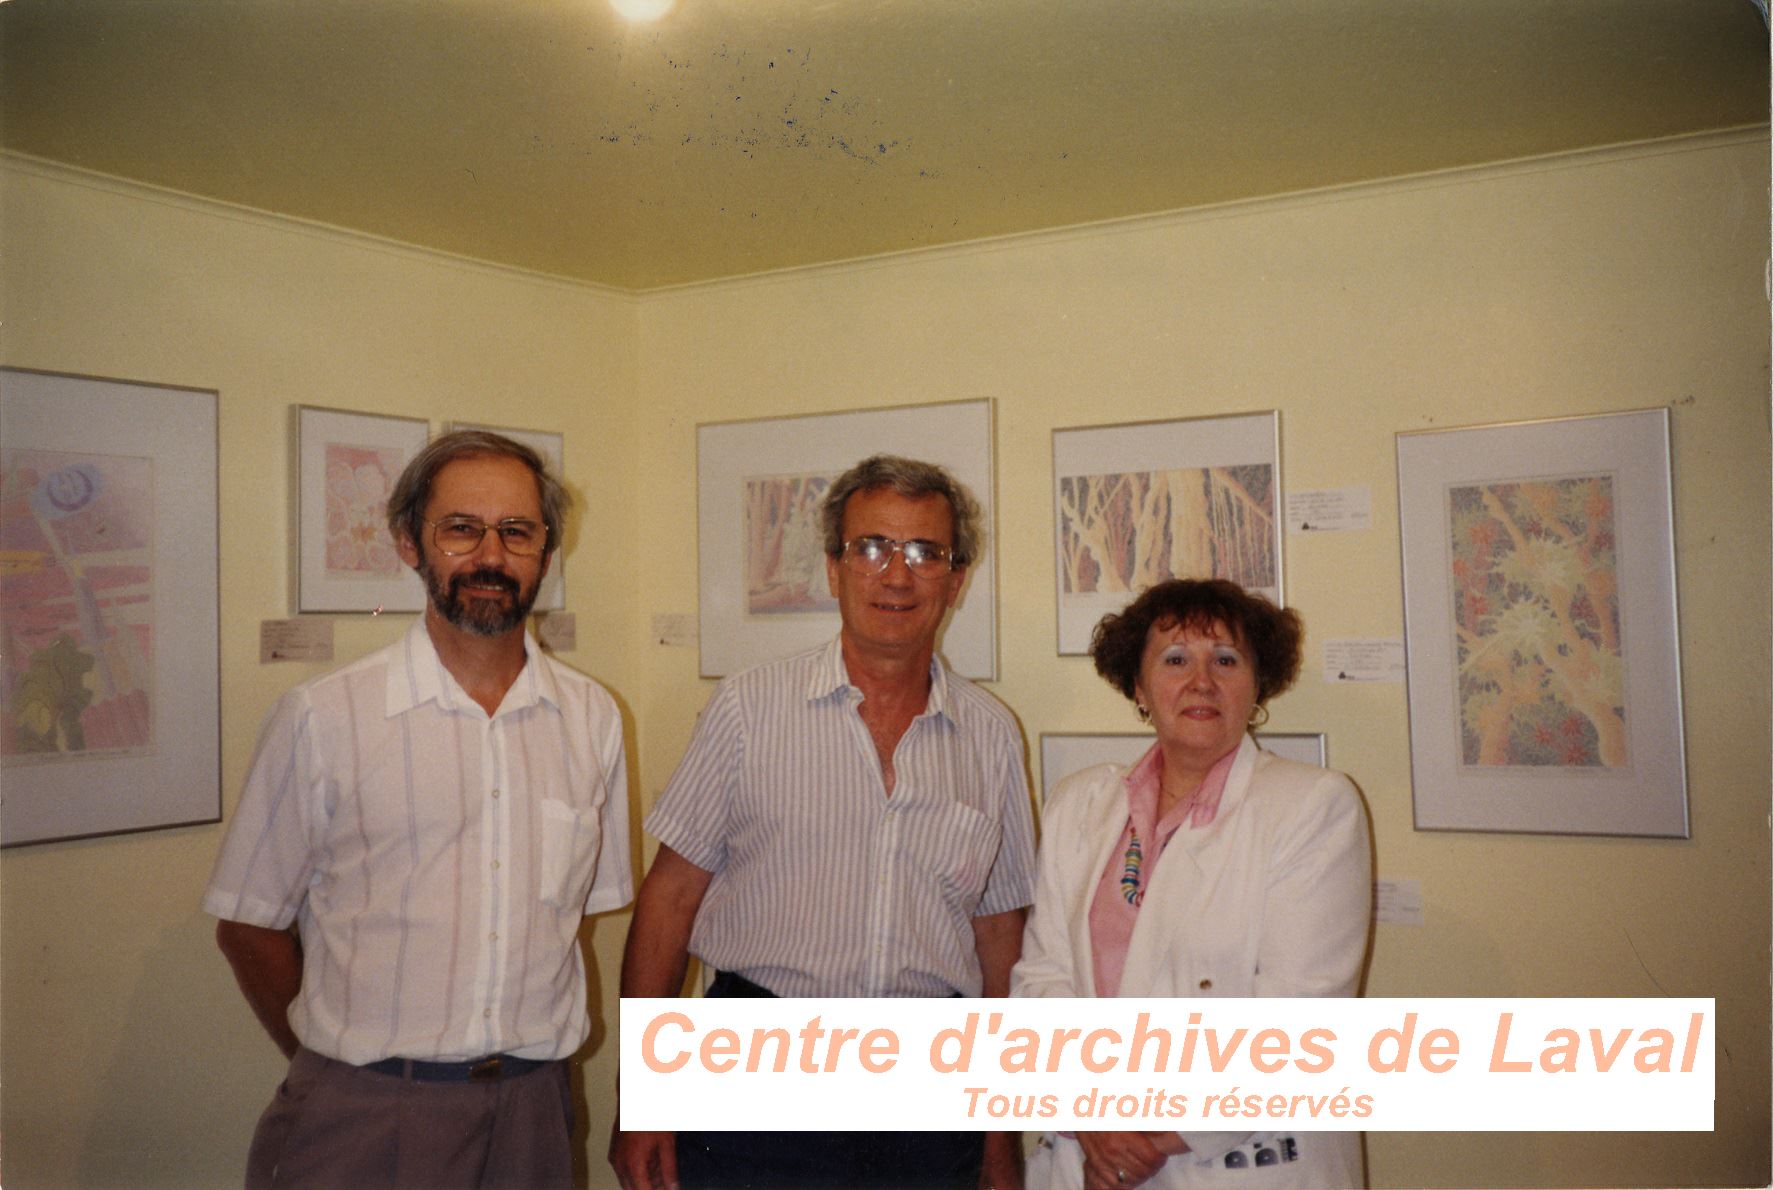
333 1125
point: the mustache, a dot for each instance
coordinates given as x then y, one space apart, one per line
484 577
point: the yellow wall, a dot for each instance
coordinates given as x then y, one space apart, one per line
1581 284
126 1055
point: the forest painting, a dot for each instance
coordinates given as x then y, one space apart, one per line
1536 620
784 545
1120 533
76 604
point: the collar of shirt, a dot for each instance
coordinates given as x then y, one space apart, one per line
832 677
420 677
1144 783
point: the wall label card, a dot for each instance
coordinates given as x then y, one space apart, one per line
1363 659
295 640
558 632
1397 902
1330 510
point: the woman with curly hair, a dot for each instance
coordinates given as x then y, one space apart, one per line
1209 868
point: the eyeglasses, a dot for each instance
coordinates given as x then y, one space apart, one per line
872 555
457 535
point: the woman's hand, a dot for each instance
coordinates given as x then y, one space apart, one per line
1118 1160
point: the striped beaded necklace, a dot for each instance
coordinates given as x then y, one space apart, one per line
1129 873
1131 881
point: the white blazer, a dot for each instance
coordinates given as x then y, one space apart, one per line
1273 898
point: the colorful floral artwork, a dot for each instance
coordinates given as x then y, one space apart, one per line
76 604
1122 533
1536 621
784 545
358 482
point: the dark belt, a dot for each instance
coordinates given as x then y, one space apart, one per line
730 984
482 1070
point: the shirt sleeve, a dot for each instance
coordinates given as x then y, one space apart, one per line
1011 883
691 817
267 859
613 886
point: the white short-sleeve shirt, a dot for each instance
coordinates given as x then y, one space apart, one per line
436 859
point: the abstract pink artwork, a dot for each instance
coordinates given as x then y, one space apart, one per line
76 588
1536 622
358 482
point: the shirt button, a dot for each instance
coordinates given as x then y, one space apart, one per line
1206 985
495 793
495 865
486 1012
493 937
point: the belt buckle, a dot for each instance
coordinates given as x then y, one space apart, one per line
487 1070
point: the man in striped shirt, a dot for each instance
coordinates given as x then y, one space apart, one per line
436 820
851 821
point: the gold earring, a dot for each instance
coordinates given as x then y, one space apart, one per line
1258 716
1144 712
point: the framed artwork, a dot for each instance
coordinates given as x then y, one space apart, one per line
1540 627
1140 503
552 448
1062 754
346 466
760 548
110 707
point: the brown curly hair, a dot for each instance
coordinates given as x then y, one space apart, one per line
1272 635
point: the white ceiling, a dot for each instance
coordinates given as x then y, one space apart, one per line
736 136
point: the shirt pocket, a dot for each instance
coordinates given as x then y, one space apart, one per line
962 847
570 842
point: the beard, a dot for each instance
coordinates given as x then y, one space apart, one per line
482 617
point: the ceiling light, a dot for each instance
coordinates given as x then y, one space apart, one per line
642 10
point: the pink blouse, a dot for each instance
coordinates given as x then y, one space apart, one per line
1128 873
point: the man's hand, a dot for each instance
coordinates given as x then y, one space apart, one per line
268 967
644 1160
653 964
1118 1160
1003 1162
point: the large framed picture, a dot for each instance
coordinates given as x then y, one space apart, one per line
552 447
1062 753
346 466
1140 503
761 557
1540 627
110 707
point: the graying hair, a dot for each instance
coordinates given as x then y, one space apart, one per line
909 478
412 491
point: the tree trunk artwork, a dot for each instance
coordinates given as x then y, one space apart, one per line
1124 532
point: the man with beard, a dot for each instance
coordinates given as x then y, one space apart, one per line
433 821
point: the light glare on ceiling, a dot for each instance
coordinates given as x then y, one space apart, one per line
642 10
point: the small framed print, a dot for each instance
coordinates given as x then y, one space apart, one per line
346 467
759 485
552 447
1540 628
1137 504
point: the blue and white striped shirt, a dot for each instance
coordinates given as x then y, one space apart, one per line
823 885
